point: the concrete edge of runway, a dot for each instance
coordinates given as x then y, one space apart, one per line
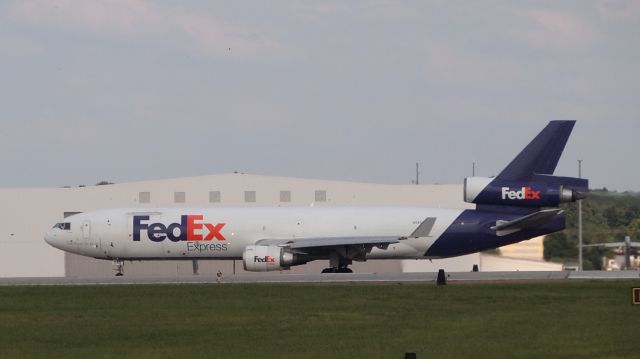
365 278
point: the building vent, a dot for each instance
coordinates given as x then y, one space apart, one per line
214 196
249 196
285 196
179 197
321 196
144 197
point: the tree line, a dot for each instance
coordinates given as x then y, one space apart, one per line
606 217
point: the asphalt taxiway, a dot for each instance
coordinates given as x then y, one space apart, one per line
283 277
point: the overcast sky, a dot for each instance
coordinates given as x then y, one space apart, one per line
130 90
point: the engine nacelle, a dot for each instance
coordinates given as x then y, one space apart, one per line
481 190
257 258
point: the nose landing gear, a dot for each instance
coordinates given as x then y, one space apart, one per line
118 266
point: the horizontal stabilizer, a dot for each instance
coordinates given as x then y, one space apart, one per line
535 219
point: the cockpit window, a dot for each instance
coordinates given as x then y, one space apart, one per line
66 226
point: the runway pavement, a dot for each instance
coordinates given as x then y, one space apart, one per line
381 278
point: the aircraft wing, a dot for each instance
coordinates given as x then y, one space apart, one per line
331 241
504 228
317 243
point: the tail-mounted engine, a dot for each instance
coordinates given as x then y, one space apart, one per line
541 191
257 258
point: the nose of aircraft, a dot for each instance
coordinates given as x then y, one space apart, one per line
51 238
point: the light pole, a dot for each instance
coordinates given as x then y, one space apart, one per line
580 222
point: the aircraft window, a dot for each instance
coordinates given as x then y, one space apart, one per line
63 225
467 223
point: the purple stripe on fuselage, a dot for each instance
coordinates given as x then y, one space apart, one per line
471 232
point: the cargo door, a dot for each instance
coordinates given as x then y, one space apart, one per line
86 230
89 237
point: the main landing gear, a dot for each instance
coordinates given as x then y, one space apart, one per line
337 270
338 264
118 266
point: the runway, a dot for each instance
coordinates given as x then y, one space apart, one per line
371 278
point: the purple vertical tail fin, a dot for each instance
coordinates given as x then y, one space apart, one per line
528 181
541 155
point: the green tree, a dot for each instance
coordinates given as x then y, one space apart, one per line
559 247
606 217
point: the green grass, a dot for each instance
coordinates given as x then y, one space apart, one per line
533 320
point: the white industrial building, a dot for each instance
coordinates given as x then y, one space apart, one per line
27 213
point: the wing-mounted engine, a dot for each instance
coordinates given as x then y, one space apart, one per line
540 191
275 254
261 258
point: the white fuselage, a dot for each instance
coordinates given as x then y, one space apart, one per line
157 233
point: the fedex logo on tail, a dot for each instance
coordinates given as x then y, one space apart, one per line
190 228
525 193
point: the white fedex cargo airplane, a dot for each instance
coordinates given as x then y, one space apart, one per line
520 203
